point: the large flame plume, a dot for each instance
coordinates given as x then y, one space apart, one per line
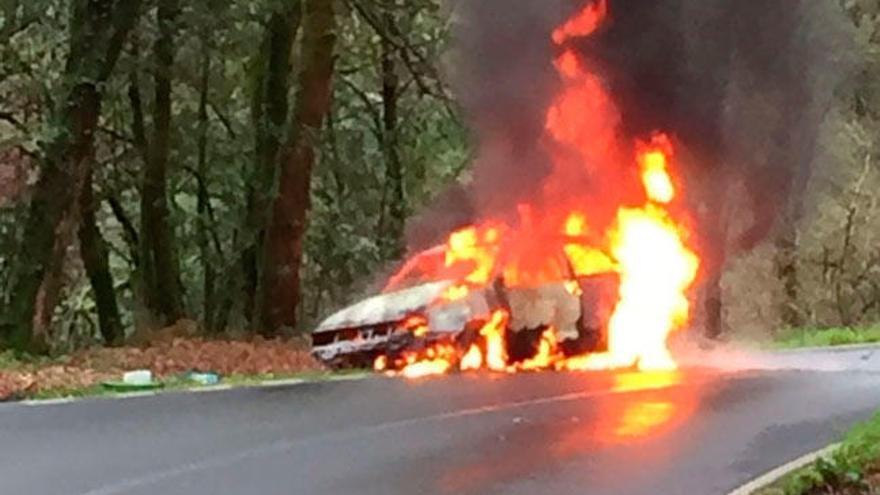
558 238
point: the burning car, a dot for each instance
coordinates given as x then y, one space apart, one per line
411 317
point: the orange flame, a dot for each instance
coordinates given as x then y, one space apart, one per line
583 24
417 324
547 355
653 160
455 292
640 240
473 359
437 360
473 247
426 367
656 270
496 348
440 358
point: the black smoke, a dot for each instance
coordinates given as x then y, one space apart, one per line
742 85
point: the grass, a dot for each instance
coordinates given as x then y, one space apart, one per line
245 380
8 360
67 393
828 337
11 360
854 469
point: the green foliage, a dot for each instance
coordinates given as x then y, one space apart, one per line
68 393
347 248
9 231
805 337
14 360
9 360
845 471
345 244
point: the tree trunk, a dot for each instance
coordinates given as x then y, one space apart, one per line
713 305
158 261
270 114
208 274
392 234
97 33
93 251
280 292
785 262
714 259
9 9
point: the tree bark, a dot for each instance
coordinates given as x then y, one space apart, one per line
159 264
97 32
270 114
393 232
93 251
785 261
714 254
280 291
713 305
208 274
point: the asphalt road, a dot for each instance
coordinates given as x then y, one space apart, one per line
695 432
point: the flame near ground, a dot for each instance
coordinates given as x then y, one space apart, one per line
644 244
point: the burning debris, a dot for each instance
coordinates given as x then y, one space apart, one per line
567 281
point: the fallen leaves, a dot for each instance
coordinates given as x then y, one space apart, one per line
186 354
165 358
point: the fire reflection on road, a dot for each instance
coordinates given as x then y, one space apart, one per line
635 382
644 417
641 408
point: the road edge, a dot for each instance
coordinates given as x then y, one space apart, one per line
775 474
870 346
287 382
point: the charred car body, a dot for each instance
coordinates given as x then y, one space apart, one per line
577 308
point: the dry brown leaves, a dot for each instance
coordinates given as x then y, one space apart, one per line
164 358
14 384
187 354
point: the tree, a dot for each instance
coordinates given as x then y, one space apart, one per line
93 250
159 265
199 140
204 199
98 29
280 290
270 114
394 192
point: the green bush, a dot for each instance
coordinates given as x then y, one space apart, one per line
808 337
844 472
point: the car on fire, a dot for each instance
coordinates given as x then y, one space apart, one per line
576 307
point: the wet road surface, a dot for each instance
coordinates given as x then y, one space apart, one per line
692 432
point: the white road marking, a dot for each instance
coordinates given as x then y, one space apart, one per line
777 473
287 382
47 402
834 349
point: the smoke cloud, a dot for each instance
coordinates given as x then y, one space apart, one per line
741 86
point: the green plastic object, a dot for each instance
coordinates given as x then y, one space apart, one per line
131 387
207 378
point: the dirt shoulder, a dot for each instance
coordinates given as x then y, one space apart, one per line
169 360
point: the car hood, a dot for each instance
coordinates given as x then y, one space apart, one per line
385 308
